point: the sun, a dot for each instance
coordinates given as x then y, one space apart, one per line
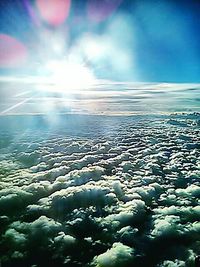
68 76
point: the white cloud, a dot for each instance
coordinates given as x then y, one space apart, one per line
66 240
176 263
118 255
133 185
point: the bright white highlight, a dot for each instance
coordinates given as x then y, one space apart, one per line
68 76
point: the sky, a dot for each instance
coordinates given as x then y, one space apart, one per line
120 40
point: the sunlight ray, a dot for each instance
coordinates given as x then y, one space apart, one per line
16 105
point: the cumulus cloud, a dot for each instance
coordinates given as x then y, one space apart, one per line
127 195
91 194
118 255
13 199
176 263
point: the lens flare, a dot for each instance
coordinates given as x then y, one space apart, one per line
54 12
13 53
100 10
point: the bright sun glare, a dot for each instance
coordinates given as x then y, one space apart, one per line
68 76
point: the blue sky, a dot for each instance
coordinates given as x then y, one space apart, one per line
147 41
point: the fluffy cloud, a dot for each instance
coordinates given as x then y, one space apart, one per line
13 200
175 263
127 195
118 255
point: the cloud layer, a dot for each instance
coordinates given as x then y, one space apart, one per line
121 191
